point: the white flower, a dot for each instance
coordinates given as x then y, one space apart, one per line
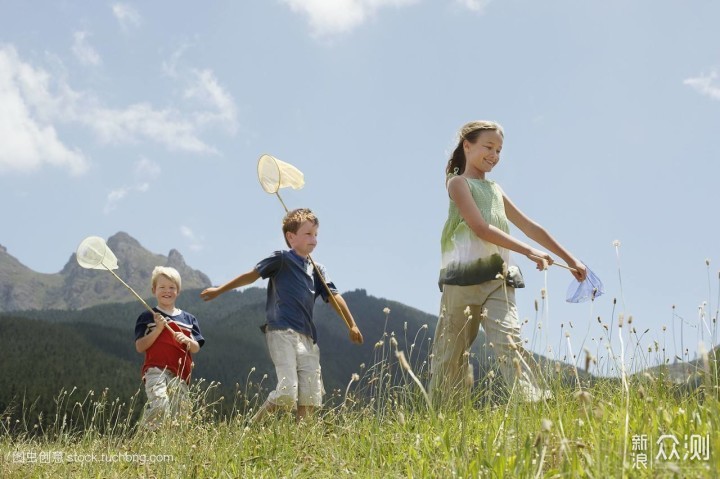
616 243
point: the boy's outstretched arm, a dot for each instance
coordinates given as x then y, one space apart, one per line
355 334
242 280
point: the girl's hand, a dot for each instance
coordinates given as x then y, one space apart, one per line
542 259
580 270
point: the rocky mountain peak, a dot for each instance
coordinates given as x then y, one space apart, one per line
76 288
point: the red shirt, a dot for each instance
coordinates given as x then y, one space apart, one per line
165 352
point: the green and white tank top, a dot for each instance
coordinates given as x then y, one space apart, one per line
466 258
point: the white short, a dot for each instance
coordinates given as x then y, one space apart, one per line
297 366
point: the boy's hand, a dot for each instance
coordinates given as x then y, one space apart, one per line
181 338
160 320
209 294
355 335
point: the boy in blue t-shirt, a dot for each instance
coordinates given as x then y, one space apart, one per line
290 332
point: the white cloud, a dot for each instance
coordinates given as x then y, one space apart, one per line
328 18
169 67
114 197
127 16
35 103
209 92
83 51
142 122
195 241
29 141
706 84
147 169
143 170
474 5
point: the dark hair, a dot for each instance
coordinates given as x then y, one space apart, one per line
470 132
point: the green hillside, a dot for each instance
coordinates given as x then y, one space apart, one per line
93 348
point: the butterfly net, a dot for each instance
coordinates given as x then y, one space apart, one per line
93 253
275 174
586 290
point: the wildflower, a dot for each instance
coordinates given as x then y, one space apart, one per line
386 310
616 243
583 396
546 425
355 377
467 311
516 365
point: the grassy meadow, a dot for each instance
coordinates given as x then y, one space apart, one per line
650 419
383 426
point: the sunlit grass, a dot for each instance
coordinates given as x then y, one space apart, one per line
381 426
625 421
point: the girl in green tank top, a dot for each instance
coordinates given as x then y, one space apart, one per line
477 278
476 240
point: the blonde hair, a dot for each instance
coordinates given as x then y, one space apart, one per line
295 218
170 273
471 132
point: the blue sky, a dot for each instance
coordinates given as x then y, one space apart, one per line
149 118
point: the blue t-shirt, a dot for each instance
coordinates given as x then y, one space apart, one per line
292 290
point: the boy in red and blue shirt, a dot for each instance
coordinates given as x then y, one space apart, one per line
168 355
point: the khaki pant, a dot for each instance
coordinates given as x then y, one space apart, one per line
297 367
166 394
462 310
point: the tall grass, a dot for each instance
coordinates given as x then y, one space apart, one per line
382 424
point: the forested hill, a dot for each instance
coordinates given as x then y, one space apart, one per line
93 349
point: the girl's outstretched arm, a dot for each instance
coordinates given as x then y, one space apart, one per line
460 194
537 233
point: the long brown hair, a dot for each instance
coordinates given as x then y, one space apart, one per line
470 132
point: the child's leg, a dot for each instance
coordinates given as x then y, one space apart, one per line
179 396
282 346
310 385
454 334
156 389
502 328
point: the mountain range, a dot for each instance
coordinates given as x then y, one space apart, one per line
76 288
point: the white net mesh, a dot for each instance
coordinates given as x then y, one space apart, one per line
93 253
275 174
